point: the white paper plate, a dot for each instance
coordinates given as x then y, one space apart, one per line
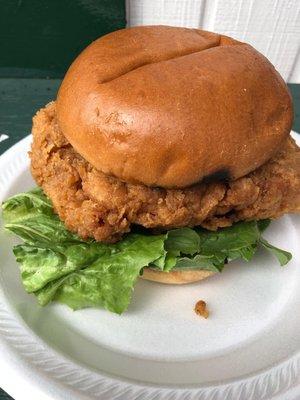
249 348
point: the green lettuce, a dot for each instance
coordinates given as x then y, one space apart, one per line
57 265
282 256
109 280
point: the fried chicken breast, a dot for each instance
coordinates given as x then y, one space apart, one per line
96 205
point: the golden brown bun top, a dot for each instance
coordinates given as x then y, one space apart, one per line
167 106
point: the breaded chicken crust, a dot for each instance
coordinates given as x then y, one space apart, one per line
93 204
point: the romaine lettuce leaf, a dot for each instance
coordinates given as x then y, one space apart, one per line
213 248
23 204
40 265
57 265
282 256
109 280
182 241
208 263
231 239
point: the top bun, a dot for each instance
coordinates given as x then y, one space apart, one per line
169 107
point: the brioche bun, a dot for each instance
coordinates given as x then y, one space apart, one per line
175 277
169 107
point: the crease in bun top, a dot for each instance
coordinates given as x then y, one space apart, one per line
168 129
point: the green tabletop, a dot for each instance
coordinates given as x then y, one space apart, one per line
4 396
20 98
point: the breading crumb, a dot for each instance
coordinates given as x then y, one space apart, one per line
201 309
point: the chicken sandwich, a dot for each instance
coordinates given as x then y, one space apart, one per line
171 143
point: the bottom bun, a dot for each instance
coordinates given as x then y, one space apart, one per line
175 277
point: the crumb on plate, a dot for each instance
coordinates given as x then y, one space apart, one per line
201 309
